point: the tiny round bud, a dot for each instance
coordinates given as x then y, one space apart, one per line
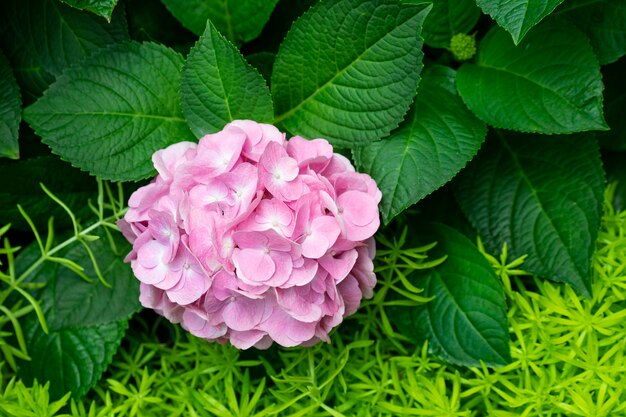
463 46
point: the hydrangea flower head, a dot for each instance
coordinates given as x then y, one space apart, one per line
248 238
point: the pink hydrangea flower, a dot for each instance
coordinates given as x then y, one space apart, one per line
252 239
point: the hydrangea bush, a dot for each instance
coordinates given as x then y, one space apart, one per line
272 165
249 238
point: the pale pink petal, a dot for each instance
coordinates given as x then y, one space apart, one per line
253 265
339 265
322 234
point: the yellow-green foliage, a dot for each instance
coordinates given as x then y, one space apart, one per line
568 359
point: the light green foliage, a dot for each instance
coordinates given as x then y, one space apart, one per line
238 20
15 303
549 83
465 323
43 37
219 86
10 110
102 8
518 16
520 191
435 141
111 113
447 18
568 360
604 21
347 70
18 400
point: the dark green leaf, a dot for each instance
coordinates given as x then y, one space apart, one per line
549 83
75 302
111 113
543 197
435 141
466 321
239 21
72 359
43 37
518 16
614 77
20 185
10 110
348 70
86 320
604 21
446 19
102 8
219 86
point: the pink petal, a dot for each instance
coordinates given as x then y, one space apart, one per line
253 265
295 303
324 231
244 313
339 266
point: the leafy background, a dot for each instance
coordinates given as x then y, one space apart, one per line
513 145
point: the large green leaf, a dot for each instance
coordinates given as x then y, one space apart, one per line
110 114
543 197
466 321
604 21
435 141
72 358
102 8
348 70
614 104
219 86
74 302
10 110
239 21
549 83
20 185
86 320
518 16
43 37
446 19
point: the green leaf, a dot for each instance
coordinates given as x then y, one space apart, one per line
219 86
348 70
614 105
10 110
239 21
74 302
72 359
110 114
434 142
549 83
102 8
20 185
604 21
543 197
518 16
43 37
466 322
446 19
86 320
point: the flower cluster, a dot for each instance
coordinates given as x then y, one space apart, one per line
249 238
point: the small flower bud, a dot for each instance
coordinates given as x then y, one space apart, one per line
463 46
